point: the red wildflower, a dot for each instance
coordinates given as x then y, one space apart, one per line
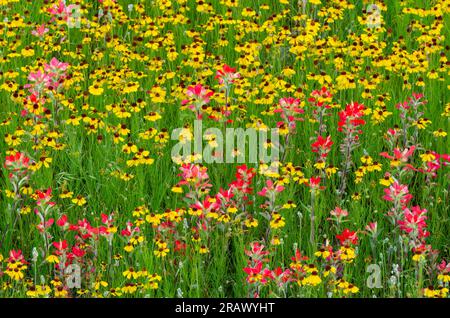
227 75
17 162
351 116
60 245
322 145
347 237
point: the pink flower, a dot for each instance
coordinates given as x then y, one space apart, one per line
55 67
372 228
198 97
270 189
402 156
40 30
40 80
414 222
256 250
339 213
61 10
193 174
397 193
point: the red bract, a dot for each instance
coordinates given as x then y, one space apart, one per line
299 257
322 145
45 225
227 75
347 237
45 197
256 251
402 156
17 161
15 256
253 272
62 221
199 93
441 160
289 109
397 193
314 183
84 229
414 222
282 276
180 246
270 189
319 97
351 116
128 231
244 177
60 245
198 97
77 252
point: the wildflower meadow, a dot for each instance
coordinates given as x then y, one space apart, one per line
224 148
